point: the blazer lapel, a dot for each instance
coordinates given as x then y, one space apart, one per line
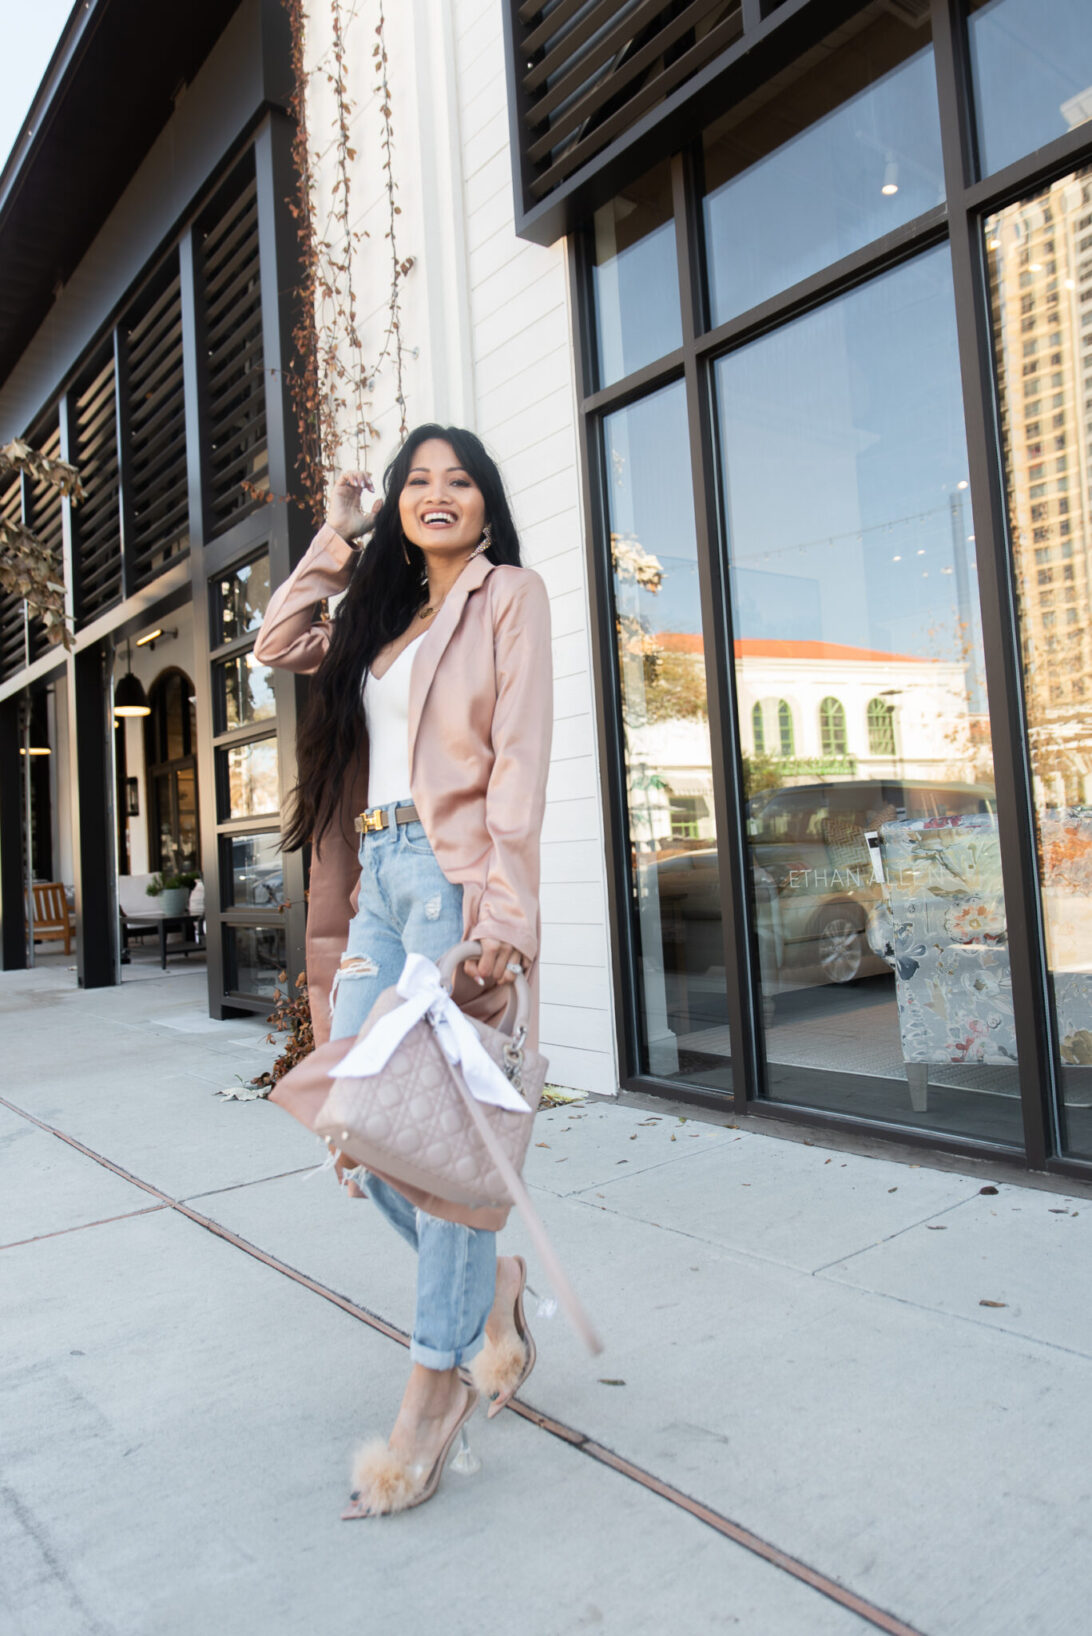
434 645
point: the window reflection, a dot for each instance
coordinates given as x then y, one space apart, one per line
255 958
846 151
255 871
1040 260
245 691
1032 66
854 607
252 778
635 278
243 596
665 722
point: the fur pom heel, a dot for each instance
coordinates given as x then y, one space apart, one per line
384 1484
501 1368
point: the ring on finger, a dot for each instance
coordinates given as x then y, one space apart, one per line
514 966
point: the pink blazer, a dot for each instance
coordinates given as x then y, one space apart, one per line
481 717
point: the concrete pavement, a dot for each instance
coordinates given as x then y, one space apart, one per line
795 1341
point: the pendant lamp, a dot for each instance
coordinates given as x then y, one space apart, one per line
130 698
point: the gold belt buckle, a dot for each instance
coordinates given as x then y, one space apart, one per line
369 822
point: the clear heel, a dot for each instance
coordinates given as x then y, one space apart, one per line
465 1461
547 1306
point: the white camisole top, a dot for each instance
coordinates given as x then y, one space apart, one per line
386 713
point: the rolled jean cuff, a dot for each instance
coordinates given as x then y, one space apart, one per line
428 1358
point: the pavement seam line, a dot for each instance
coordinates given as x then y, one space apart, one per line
82 1226
878 1617
889 1238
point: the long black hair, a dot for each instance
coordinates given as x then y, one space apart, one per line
384 594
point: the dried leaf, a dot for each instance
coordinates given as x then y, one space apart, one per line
993 1303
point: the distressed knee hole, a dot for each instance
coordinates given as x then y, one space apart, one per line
433 907
353 965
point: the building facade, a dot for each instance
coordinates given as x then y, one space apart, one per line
775 317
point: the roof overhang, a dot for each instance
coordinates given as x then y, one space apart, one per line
112 84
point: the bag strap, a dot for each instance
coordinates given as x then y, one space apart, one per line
522 1200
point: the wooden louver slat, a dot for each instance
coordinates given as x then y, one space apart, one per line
156 431
234 366
590 69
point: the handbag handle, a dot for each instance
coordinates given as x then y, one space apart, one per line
517 1192
471 951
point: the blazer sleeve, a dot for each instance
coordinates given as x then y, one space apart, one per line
515 798
291 637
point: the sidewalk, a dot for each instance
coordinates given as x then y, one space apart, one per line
795 1340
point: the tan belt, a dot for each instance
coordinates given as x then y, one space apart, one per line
376 818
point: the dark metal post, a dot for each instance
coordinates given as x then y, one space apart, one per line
13 930
90 763
1012 771
742 995
281 274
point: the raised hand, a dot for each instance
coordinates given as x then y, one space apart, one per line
345 510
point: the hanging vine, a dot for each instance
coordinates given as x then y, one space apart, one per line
331 383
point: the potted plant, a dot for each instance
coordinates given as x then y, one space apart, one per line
173 891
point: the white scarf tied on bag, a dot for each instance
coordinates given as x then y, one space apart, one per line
423 991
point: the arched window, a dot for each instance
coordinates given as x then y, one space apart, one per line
758 727
881 728
785 728
832 727
170 750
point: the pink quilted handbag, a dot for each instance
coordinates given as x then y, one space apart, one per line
445 1103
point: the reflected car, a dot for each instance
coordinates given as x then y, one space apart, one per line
812 878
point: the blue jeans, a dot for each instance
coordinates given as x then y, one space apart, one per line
407 905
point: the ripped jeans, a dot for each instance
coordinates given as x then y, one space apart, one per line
407 905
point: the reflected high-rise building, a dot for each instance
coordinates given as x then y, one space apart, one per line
1040 259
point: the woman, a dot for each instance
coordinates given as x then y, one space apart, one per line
424 793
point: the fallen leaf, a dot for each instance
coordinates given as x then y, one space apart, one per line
1058 1211
987 1190
993 1303
542 1144
934 1227
892 1189
828 1161
633 1138
622 1161
604 1382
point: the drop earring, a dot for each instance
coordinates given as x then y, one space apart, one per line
405 553
484 543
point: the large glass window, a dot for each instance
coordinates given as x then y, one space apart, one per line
665 724
847 152
1032 62
851 560
1049 237
635 277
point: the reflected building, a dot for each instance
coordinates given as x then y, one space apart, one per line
1040 261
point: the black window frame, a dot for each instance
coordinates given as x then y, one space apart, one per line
958 223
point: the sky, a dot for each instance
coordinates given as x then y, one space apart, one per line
30 34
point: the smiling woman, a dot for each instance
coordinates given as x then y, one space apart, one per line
449 638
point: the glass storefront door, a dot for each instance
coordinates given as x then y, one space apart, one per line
674 890
856 626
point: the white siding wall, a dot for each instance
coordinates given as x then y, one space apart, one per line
488 316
